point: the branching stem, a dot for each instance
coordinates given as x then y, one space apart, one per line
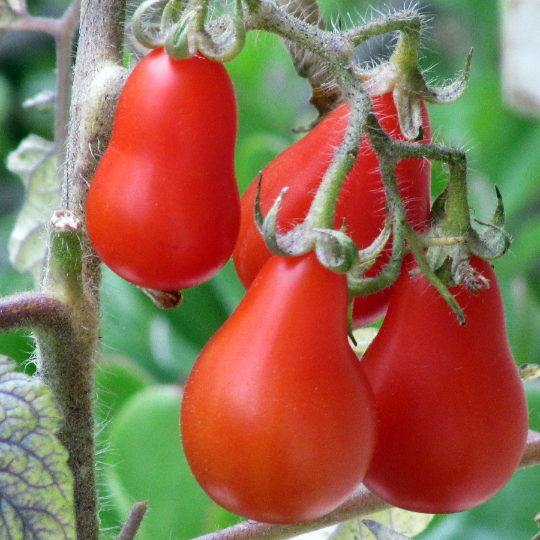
34 311
361 503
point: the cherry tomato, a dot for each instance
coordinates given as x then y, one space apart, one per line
361 203
277 418
163 209
452 410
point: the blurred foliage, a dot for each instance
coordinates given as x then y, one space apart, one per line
147 351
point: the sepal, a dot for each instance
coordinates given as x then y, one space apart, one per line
334 249
402 76
450 260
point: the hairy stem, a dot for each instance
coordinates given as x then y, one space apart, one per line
36 311
361 503
323 209
404 21
66 361
328 45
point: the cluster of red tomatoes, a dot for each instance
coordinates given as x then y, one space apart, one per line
280 420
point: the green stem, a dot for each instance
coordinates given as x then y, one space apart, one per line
405 54
407 20
457 220
332 47
388 157
323 208
202 12
172 12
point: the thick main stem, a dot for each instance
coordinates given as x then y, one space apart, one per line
67 362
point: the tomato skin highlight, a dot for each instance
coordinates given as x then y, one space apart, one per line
278 419
452 410
163 209
362 201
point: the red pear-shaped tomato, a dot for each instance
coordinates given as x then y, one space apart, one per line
362 201
163 209
277 419
451 405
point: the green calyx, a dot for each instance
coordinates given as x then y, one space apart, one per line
402 76
334 249
449 250
184 30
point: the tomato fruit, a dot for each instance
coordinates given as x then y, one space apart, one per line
278 419
452 409
163 209
362 200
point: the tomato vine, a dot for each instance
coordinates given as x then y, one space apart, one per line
65 314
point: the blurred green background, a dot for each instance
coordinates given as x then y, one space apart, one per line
146 352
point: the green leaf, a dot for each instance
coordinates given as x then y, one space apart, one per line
36 499
34 162
145 462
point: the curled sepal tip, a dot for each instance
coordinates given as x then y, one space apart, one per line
172 12
290 244
221 40
368 256
335 250
267 225
225 40
451 92
471 278
297 241
143 31
494 242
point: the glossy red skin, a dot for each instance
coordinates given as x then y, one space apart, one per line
361 203
277 419
452 410
163 209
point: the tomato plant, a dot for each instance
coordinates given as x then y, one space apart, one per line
452 409
361 203
277 418
163 209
